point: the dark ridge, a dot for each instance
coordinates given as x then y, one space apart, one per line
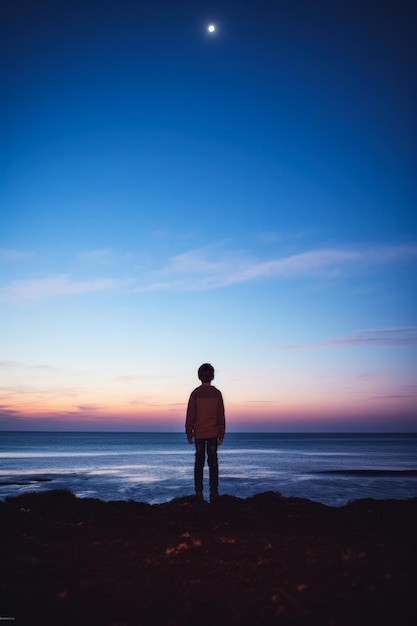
259 561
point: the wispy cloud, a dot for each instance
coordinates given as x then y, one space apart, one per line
400 336
9 365
210 267
107 257
206 268
11 254
403 393
7 408
61 285
139 377
86 408
97 256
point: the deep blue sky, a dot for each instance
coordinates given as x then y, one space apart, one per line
211 197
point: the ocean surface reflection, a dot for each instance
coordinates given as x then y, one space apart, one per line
154 468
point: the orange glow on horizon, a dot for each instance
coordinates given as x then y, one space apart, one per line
171 416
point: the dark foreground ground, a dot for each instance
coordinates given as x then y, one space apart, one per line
264 560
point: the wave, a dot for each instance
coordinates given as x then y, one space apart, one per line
30 480
371 472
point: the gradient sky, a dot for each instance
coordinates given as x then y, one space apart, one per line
172 197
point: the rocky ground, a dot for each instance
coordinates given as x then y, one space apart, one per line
258 561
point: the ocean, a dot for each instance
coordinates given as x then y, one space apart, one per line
156 467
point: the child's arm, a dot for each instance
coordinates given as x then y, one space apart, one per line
190 419
221 420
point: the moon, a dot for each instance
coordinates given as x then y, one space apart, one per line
211 28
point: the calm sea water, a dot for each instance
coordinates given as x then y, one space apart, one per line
154 468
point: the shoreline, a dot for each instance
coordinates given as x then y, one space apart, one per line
261 560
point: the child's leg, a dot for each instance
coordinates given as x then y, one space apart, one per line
213 465
200 453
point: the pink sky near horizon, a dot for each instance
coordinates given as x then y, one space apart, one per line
353 412
331 389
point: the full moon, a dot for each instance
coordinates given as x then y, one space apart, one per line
211 28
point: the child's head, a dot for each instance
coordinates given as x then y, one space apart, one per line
206 373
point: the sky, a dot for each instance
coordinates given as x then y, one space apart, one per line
171 196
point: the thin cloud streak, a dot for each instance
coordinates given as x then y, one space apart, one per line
407 392
201 269
86 408
230 270
61 285
97 256
11 254
10 365
139 377
402 336
206 268
106 257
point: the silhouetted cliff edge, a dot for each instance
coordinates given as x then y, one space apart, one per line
257 561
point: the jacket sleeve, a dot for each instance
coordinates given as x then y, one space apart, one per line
221 420
191 415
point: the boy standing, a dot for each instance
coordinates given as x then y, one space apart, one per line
206 423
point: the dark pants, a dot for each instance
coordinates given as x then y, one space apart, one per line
201 445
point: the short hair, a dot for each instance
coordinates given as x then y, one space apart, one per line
206 373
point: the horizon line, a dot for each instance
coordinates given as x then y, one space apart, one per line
234 432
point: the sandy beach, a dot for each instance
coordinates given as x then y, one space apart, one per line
260 560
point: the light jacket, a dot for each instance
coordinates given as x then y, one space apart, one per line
205 413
